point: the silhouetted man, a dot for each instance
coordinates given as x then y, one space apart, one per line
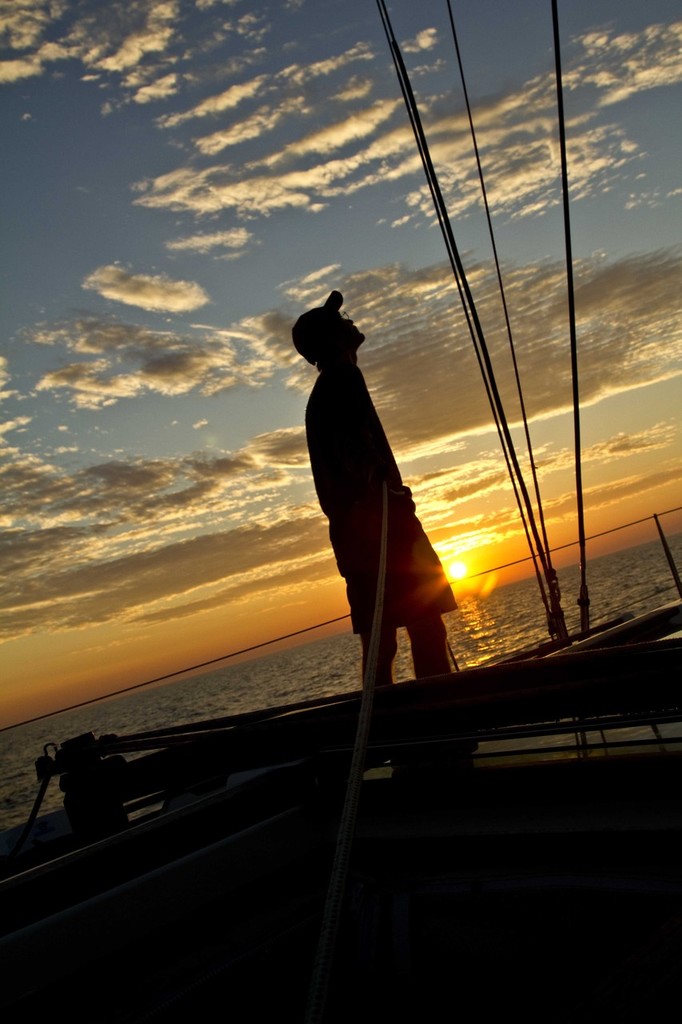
351 458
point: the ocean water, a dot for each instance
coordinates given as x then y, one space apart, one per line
483 629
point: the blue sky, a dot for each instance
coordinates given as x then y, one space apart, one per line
180 180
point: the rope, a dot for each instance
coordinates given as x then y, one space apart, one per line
42 789
335 893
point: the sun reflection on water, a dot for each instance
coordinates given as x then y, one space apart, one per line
477 626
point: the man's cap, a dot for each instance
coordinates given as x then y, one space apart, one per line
310 329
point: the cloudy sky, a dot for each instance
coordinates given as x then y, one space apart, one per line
181 178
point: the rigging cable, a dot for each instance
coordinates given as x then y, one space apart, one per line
444 226
556 623
522 404
583 598
451 249
246 715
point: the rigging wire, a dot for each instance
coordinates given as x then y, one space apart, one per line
556 622
503 298
583 598
308 629
179 672
454 263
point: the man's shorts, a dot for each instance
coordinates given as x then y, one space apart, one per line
416 584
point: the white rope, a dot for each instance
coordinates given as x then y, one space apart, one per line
344 840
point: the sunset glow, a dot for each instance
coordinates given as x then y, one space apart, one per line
181 181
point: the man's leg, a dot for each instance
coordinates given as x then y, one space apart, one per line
388 646
430 653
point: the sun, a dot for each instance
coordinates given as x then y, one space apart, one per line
457 570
